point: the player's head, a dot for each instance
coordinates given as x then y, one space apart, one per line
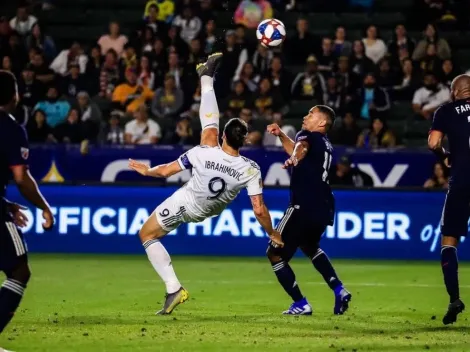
235 133
460 87
320 118
9 92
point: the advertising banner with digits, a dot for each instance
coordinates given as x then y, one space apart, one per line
377 224
388 168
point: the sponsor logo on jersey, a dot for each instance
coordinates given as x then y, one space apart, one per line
24 153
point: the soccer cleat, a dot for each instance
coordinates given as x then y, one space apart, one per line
342 299
172 300
455 308
301 307
209 67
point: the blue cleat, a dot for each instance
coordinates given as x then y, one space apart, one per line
301 307
342 299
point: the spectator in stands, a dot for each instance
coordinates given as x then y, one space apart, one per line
430 62
251 12
375 47
5 31
166 9
428 11
175 43
193 111
248 76
302 44
196 54
309 84
142 130
430 96
400 41
93 70
347 133
114 40
271 140
327 59
280 77
23 22
431 36
38 129
242 41
448 72
439 178
56 110
147 40
359 62
190 25
175 70
377 136
7 65
17 52
30 89
409 82
129 95
341 46
262 58
114 134
146 75
373 101
74 82
129 58
333 97
37 39
237 100
75 54
168 100
267 101
158 56
71 130
90 115
109 75
206 10
183 134
41 71
348 82
158 27
208 38
256 127
386 77
232 63
346 175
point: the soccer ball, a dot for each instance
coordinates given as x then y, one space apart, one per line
271 33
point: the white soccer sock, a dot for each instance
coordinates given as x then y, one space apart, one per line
209 110
161 262
207 84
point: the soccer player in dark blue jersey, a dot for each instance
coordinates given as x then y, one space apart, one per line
14 152
453 120
311 209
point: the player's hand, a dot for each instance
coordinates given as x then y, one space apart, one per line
291 162
274 129
276 239
141 168
447 161
48 219
19 217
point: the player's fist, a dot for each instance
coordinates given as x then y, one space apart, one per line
19 217
48 219
291 162
141 168
276 239
274 129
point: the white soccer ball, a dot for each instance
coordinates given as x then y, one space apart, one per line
271 33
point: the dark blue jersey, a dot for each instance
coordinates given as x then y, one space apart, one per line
309 187
14 150
453 119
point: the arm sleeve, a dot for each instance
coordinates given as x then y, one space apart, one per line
304 136
255 185
439 121
188 159
18 149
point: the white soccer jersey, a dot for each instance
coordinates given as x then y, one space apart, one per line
217 178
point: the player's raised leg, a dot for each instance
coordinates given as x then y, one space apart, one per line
209 110
150 235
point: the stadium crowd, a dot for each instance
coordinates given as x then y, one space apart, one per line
142 88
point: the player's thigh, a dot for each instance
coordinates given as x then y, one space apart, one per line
210 136
13 252
151 228
311 236
454 220
288 227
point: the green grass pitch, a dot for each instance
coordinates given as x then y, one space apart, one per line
107 303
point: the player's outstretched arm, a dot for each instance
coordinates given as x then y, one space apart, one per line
300 150
287 143
164 170
264 218
435 145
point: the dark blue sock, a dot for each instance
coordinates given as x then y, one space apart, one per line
286 278
323 265
11 294
450 267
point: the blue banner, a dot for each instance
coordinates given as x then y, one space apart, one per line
388 168
106 219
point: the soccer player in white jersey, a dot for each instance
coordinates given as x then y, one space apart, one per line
218 175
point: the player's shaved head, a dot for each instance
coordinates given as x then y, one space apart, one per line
460 87
8 88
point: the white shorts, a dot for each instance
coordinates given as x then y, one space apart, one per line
173 212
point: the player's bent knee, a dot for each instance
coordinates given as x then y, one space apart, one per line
151 229
21 273
273 257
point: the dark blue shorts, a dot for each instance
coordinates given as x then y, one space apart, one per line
13 249
454 220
